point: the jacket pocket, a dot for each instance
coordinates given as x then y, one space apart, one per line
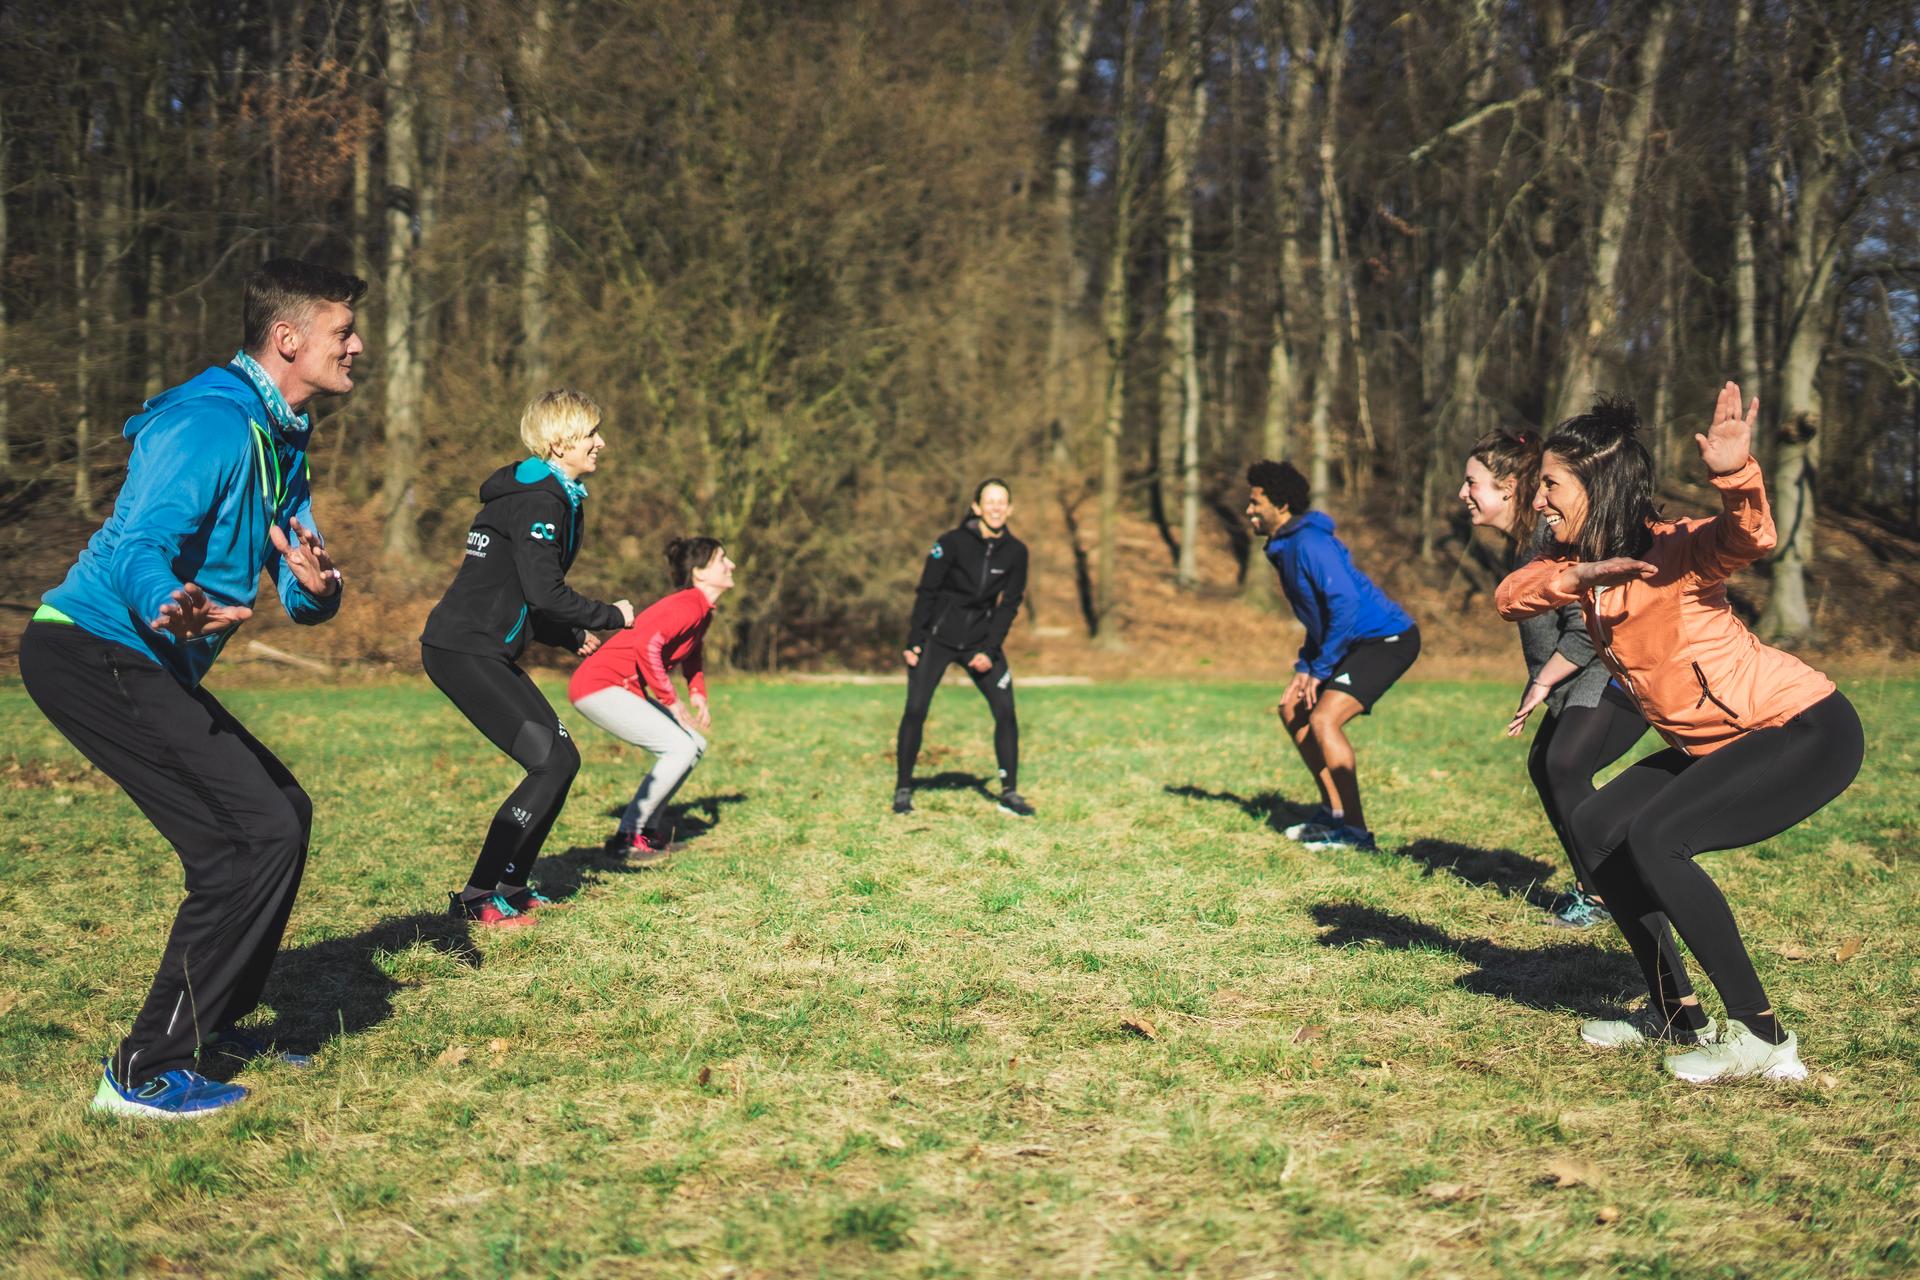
1707 695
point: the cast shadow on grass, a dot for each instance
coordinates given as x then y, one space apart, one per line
1269 807
337 986
685 821
952 780
1510 873
1572 977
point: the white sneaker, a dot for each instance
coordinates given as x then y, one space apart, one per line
1738 1055
1643 1026
1321 819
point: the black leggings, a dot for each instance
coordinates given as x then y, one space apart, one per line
1641 832
504 704
995 684
1571 746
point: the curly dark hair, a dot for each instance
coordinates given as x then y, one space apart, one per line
1283 484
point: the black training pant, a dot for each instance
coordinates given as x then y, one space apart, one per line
1641 832
1572 745
504 704
234 815
995 684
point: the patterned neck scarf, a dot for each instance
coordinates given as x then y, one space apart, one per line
278 409
575 490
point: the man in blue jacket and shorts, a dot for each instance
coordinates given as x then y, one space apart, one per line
1358 643
216 491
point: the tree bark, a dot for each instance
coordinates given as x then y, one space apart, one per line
6 351
1589 352
536 273
1072 38
1113 324
1186 109
402 378
1320 422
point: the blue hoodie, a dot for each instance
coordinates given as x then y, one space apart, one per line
213 467
1337 604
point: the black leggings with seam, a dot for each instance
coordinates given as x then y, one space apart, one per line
1641 832
504 704
995 685
1569 748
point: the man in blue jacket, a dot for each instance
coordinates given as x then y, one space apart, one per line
216 490
1358 643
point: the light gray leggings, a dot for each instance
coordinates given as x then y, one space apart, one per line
646 724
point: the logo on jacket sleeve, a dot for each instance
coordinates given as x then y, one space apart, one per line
937 552
478 542
543 531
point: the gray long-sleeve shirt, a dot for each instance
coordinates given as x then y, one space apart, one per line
1562 631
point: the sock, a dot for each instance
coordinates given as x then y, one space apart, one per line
1685 1022
1764 1025
504 888
471 894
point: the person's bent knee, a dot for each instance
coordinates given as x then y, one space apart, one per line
302 805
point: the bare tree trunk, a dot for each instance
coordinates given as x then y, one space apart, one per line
6 443
1746 290
536 280
401 374
82 348
1186 109
1590 350
1113 324
1320 459
1285 126
1072 38
1434 384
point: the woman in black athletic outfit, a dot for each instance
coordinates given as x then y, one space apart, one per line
974 580
511 589
1589 722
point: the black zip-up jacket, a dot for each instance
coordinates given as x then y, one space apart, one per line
512 586
969 591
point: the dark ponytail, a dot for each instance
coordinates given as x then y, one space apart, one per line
1513 455
1602 448
684 555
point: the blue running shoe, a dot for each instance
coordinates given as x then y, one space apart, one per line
232 1042
1341 837
1575 910
172 1095
1321 819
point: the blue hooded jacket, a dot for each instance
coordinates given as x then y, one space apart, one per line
1337 604
213 467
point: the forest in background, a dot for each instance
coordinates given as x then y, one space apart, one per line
828 263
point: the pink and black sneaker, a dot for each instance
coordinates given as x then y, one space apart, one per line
492 911
639 848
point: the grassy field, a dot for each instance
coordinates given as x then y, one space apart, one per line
1142 1035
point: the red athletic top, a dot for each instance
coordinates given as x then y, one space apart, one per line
668 633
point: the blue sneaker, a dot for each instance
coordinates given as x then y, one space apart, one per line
1575 910
232 1042
1341 837
1321 819
172 1095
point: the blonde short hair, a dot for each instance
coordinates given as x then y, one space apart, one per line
556 419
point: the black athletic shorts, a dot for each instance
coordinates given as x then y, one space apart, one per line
1371 667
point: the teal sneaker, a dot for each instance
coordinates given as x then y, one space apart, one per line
1575 910
527 900
1321 819
1739 1055
1643 1026
172 1095
232 1042
1340 837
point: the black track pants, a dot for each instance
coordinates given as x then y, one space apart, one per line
1641 832
234 815
995 684
1571 746
504 704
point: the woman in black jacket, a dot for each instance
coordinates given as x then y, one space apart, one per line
511 589
974 580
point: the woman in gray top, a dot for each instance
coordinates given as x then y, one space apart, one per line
1589 723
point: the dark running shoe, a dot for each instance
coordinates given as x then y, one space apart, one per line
527 900
172 1095
232 1042
639 848
1575 910
492 911
903 800
1012 802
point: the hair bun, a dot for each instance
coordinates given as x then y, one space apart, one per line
1615 413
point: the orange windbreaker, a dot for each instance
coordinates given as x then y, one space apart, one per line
1700 677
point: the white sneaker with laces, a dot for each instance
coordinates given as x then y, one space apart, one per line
1643 1026
1739 1055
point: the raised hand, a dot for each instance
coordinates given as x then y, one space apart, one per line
1610 573
311 564
1728 443
190 613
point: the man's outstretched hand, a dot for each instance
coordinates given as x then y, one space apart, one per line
190 613
309 561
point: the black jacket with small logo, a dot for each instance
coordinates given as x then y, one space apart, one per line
512 585
969 590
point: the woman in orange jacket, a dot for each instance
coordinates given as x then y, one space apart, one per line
1757 741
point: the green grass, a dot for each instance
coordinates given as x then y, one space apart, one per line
825 1041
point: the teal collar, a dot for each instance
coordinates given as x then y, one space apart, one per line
284 418
575 490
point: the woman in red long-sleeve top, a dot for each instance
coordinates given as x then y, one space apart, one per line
626 687
1757 740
